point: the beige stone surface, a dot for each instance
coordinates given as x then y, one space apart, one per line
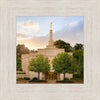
9 9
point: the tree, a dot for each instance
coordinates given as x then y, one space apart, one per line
33 51
62 63
73 67
63 45
78 55
21 49
78 46
19 64
39 64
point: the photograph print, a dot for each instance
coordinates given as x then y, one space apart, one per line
50 50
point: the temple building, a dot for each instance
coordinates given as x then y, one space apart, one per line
50 51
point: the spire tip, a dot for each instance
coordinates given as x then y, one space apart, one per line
51 25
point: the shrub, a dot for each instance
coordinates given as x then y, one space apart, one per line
26 78
20 69
21 73
71 78
76 79
78 76
38 81
34 78
66 79
18 79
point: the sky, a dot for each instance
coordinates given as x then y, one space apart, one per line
33 32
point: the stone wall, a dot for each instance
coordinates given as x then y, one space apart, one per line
21 75
67 75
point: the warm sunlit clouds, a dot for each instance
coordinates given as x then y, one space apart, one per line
26 29
31 26
34 31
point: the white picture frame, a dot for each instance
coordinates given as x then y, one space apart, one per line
9 90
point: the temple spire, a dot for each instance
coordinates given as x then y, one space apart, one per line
51 26
50 39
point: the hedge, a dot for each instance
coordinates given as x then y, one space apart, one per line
65 81
38 81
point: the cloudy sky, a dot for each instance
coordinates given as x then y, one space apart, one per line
34 31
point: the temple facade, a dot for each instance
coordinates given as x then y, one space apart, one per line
50 51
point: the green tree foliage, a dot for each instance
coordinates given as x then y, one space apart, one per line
78 55
64 45
62 63
74 66
19 64
78 46
39 64
21 49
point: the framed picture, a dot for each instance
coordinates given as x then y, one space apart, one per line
66 72
60 60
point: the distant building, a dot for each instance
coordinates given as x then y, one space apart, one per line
50 51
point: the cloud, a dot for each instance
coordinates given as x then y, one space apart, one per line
73 24
31 25
35 42
21 35
72 33
28 28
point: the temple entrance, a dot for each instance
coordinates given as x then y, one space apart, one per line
51 76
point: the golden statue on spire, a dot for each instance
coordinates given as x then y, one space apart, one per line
51 25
